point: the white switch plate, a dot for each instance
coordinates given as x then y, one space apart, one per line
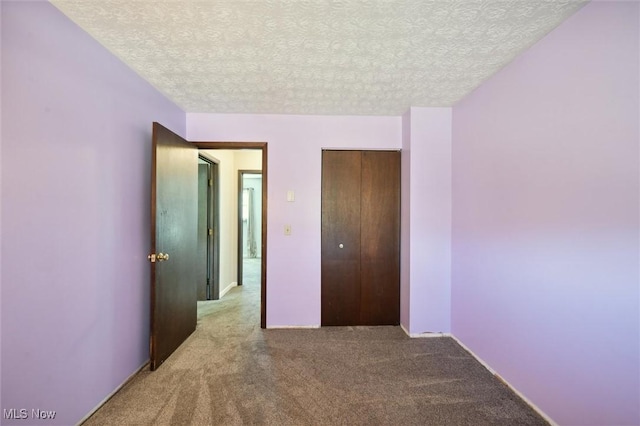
291 196
287 230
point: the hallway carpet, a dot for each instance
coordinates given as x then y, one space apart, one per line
231 372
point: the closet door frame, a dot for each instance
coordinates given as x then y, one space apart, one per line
360 283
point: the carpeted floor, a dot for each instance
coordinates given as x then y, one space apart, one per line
231 372
251 270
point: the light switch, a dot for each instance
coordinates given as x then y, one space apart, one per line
287 230
291 196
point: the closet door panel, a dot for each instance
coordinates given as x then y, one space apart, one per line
341 187
380 238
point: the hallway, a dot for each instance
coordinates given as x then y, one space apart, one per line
241 305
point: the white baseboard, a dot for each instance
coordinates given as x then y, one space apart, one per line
108 397
485 365
425 334
227 289
292 326
509 385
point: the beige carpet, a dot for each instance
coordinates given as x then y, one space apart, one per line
231 372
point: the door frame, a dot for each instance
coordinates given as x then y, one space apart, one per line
342 305
262 146
241 174
213 222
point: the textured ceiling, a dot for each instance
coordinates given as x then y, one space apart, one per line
316 57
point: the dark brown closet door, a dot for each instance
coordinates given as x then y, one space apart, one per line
360 237
340 237
380 238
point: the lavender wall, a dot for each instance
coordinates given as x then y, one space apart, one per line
405 224
545 219
75 214
1 7
426 244
295 154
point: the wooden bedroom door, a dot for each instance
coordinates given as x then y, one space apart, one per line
360 238
174 214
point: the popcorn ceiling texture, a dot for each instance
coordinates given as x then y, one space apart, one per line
316 57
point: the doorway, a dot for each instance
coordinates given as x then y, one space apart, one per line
208 262
174 238
249 226
260 216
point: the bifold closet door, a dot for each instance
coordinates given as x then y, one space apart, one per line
380 238
360 237
341 237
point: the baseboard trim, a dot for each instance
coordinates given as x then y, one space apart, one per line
116 390
270 327
509 385
227 289
426 334
485 365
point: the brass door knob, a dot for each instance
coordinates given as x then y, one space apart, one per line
158 257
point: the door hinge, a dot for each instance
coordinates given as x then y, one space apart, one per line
210 182
210 231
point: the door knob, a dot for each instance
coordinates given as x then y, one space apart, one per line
341 245
158 257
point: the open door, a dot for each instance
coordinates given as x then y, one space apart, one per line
174 213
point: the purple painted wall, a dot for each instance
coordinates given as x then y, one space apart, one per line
76 148
1 7
426 242
405 224
295 154
546 219
545 214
